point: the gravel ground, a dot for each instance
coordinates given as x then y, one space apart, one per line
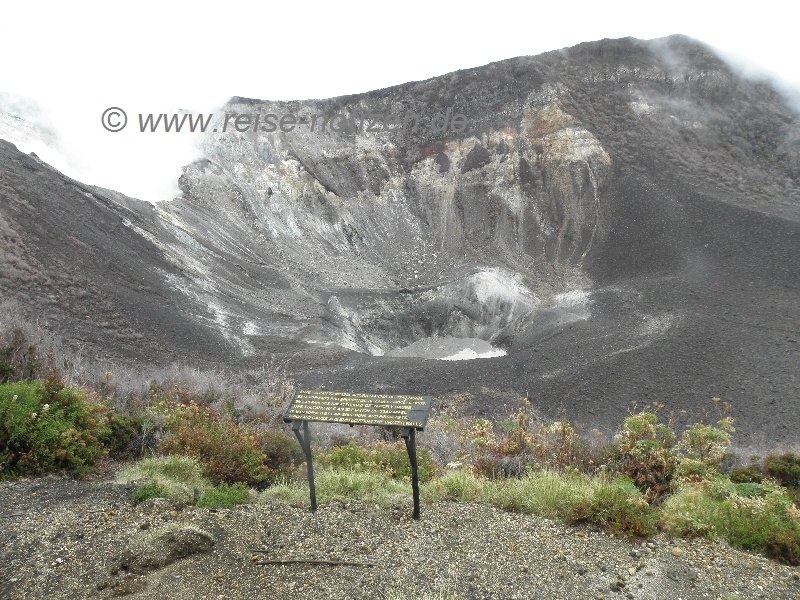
62 538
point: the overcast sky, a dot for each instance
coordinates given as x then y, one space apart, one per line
78 58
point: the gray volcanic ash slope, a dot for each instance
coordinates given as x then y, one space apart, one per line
623 217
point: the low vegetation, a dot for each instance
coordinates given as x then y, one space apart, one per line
390 458
217 447
225 496
45 426
179 477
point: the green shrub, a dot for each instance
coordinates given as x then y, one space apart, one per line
690 470
749 474
283 454
763 524
749 489
647 454
228 452
784 545
764 520
391 459
148 491
721 488
124 430
45 426
225 496
626 485
707 444
785 469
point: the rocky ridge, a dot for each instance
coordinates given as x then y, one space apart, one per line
621 218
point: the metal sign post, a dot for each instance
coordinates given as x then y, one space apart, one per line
408 412
411 447
305 444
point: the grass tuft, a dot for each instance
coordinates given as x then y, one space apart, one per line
171 476
225 496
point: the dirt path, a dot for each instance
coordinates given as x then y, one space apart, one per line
62 538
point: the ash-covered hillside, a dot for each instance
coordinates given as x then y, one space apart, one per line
621 217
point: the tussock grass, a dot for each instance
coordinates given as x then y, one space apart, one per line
543 492
614 504
175 476
372 487
752 516
455 485
225 496
574 498
287 492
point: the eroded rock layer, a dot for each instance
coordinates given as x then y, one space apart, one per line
622 218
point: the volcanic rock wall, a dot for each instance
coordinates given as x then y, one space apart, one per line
621 217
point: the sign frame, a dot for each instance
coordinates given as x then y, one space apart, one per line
392 410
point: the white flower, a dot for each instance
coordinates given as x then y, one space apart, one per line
33 415
46 407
